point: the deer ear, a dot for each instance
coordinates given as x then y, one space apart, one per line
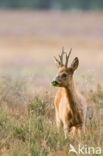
75 63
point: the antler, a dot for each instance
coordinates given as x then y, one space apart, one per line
60 62
67 58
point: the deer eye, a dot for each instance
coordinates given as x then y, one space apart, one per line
64 75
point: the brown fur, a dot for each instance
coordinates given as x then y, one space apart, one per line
70 106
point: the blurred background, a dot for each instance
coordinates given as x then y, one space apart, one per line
33 31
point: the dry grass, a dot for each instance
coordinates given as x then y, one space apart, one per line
27 126
28 41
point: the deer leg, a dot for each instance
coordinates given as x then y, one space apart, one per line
75 131
83 128
58 122
66 130
66 127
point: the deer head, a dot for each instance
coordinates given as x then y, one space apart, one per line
65 73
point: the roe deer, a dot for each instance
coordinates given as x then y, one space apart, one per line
70 106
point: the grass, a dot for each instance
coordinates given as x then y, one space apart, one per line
27 121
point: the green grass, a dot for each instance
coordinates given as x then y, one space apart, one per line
27 120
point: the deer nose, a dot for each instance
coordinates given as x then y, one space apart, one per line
57 78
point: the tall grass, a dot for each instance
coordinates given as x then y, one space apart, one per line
27 120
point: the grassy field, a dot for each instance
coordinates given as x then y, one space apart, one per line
28 42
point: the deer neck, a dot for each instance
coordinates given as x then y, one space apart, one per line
71 94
